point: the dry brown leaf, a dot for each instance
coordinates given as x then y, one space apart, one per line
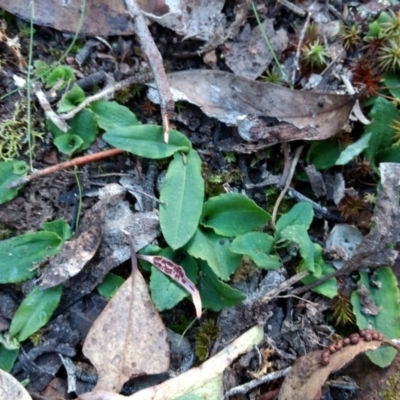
195 380
128 338
307 375
262 111
11 389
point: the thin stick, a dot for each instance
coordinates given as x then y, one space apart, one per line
67 164
243 389
293 7
142 78
289 177
298 50
156 63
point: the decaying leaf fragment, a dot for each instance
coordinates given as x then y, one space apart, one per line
263 112
307 375
204 381
128 339
10 388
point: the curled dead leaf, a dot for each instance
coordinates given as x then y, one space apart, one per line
263 112
307 375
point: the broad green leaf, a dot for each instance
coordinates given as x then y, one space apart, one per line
68 144
41 69
59 227
147 141
84 125
382 114
298 234
181 199
10 171
233 214
213 248
62 73
328 288
392 82
111 283
71 99
7 358
111 115
166 293
34 312
391 154
257 246
18 254
353 150
300 214
324 154
215 294
383 291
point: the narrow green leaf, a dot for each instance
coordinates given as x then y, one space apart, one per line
215 294
10 171
233 214
71 99
257 246
353 150
111 283
18 254
181 199
300 214
111 115
383 291
166 293
298 234
7 358
34 312
147 141
382 113
213 248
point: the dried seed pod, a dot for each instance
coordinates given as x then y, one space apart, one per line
354 338
346 341
325 357
368 337
331 348
339 345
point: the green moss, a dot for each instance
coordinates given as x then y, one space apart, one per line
392 388
204 338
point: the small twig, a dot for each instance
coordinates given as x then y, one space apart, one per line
293 163
284 286
155 60
243 389
67 164
142 78
298 50
293 7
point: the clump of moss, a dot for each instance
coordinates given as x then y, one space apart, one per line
204 338
391 391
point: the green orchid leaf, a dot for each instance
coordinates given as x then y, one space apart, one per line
181 197
353 150
216 294
19 254
68 144
381 294
71 99
233 214
9 172
324 154
111 115
147 141
34 312
257 247
300 214
213 248
111 283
